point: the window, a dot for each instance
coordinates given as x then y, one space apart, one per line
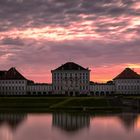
118 87
128 87
125 87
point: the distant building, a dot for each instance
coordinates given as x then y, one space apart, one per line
127 82
70 79
98 89
12 83
39 89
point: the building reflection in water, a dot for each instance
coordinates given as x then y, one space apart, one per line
12 120
128 120
70 121
73 122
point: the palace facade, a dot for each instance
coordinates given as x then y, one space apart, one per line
127 82
69 79
12 83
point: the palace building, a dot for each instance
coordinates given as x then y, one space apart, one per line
39 89
69 79
127 82
12 83
100 89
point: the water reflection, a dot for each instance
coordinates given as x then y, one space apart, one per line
70 126
73 122
12 120
128 120
70 121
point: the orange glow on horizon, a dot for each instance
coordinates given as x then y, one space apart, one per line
98 74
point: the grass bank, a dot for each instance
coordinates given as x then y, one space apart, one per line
41 104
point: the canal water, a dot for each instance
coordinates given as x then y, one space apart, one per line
69 126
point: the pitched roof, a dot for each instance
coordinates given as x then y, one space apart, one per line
128 74
70 66
11 74
2 73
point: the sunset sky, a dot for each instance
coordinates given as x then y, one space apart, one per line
37 36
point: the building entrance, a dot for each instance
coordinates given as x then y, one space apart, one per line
71 93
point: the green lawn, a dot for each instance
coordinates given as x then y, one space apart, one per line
82 102
54 103
29 101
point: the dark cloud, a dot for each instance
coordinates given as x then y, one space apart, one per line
36 13
109 32
87 52
12 41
